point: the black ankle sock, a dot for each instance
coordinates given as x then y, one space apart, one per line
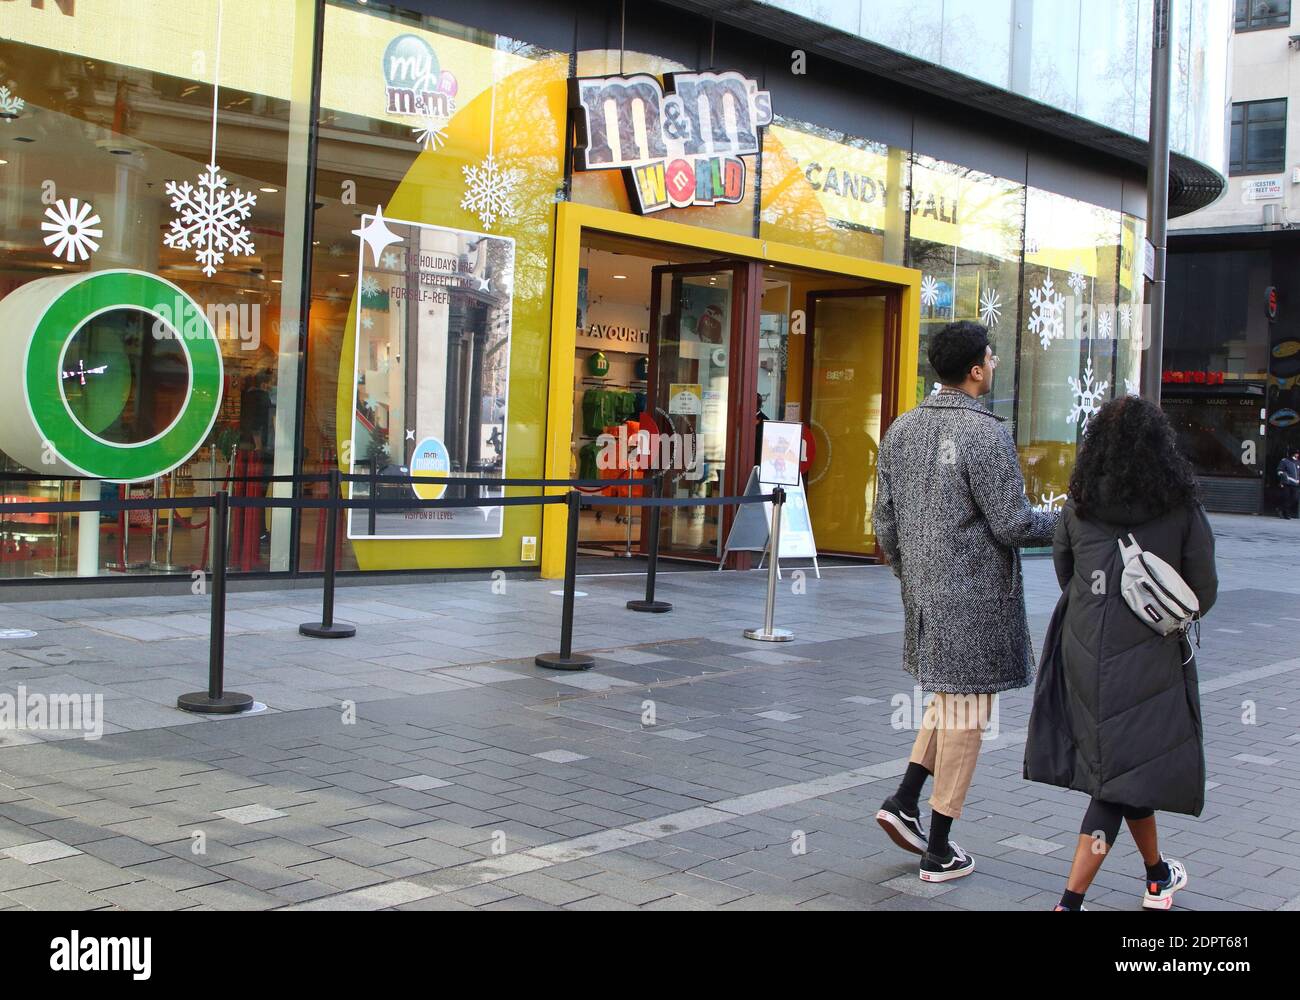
1158 872
909 791
1072 900
940 825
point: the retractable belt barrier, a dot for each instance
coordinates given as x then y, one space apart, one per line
217 700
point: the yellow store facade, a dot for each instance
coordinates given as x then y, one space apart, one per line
505 240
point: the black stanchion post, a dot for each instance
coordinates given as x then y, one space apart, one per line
373 487
650 605
565 658
216 700
327 627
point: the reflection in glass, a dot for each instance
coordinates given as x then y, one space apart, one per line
431 376
1068 356
847 379
966 232
110 118
689 395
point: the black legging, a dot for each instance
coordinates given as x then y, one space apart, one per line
1104 818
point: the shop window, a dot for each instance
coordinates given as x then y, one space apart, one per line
157 315
1127 325
832 191
1258 137
966 230
439 159
1071 331
1252 15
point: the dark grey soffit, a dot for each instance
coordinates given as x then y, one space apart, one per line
1192 184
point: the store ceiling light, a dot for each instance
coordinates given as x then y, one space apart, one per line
619 277
269 190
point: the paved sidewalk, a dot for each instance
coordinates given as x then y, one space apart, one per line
427 764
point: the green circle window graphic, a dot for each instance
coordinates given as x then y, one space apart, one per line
123 376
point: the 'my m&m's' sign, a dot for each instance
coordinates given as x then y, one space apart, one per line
679 142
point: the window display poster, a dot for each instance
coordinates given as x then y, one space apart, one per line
705 314
431 375
685 398
779 455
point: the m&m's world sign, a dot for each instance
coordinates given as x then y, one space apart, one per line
679 142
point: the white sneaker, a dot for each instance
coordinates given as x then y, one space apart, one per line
1160 895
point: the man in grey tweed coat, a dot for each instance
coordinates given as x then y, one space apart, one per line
950 515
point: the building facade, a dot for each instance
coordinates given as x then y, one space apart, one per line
491 239
1232 348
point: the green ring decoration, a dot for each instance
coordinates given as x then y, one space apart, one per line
93 456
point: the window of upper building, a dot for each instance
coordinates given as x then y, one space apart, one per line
1258 137
1251 15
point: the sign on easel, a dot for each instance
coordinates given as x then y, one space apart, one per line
751 528
779 453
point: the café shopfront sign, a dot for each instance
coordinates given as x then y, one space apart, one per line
679 142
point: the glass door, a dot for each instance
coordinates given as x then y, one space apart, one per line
697 319
847 385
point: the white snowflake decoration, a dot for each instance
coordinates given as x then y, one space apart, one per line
937 387
390 261
1104 324
431 133
369 286
367 321
990 307
1085 394
72 229
929 291
489 191
1125 318
1077 282
1046 312
11 105
1131 387
210 219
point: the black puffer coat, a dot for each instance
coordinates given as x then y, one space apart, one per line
1117 713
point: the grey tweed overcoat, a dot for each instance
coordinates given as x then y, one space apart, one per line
950 515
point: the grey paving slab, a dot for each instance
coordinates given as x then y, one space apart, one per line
463 749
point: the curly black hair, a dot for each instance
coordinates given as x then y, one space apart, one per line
956 349
1130 459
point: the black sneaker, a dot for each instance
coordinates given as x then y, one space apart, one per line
902 825
955 865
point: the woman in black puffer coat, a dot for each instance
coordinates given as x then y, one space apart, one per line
1116 711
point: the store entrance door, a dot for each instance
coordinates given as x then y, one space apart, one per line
849 389
697 383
